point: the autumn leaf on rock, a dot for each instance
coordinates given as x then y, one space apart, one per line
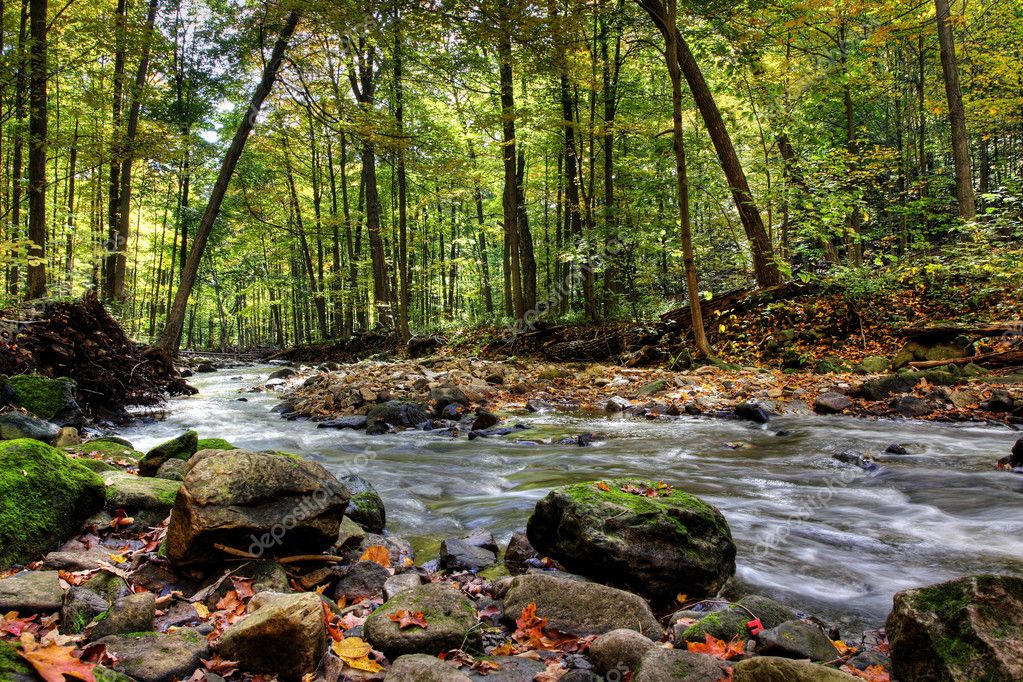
408 619
843 648
243 587
872 673
378 554
53 662
354 651
717 648
604 486
11 624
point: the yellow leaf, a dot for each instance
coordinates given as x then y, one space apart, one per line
354 651
117 558
378 554
201 610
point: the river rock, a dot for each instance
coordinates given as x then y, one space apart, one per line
149 499
669 665
519 554
357 422
832 403
796 639
873 364
919 351
510 669
424 668
285 636
44 498
459 555
361 580
911 406
158 657
398 549
619 650
580 608
49 399
396 584
182 447
394 413
31 592
752 412
14 425
442 396
964 629
133 613
655 546
172 470
1016 459
726 623
618 404
282 373
81 605
774 669
262 503
450 616
365 506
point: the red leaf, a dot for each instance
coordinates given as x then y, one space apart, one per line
407 619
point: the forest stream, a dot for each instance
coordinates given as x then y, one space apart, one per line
820 535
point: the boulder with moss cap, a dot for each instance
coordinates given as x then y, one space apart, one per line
46 398
182 447
658 546
450 617
45 497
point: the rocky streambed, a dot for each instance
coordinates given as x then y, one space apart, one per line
415 538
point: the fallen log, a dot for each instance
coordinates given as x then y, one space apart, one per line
949 331
1008 358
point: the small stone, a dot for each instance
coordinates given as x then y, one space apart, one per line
484 420
361 580
796 639
424 668
911 406
620 650
458 555
134 613
365 507
832 403
668 665
653 388
80 607
752 412
285 636
31 592
172 470
396 584
357 422
67 437
182 447
349 534
538 406
618 404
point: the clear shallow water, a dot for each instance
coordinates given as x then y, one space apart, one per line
822 536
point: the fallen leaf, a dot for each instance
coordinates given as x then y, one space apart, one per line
407 619
873 673
354 651
378 554
716 647
604 486
53 662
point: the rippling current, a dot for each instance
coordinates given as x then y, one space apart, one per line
822 536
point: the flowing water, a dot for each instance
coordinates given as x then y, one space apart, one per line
825 537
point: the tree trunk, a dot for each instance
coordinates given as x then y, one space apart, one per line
114 246
37 151
510 203
404 286
170 337
956 114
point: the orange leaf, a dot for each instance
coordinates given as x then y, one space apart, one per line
407 619
716 647
53 662
604 486
378 554
873 673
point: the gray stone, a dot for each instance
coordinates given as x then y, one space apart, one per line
510 669
796 639
156 657
520 555
365 506
774 669
80 607
911 406
134 613
580 608
31 592
450 616
172 470
282 373
832 403
399 583
394 413
424 668
618 404
668 665
731 621
152 497
15 425
285 636
620 650
361 580
458 555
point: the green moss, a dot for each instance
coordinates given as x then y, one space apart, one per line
214 444
44 496
11 664
42 396
97 465
109 449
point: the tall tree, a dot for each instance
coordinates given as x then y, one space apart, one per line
37 129
956 113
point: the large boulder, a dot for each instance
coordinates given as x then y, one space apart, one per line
261 503
31 592
15 425
284 637
157 657
921 351
774 669
450 618
182 447
394 413
44 498
657 546
580 608
149 500
964 629
49 399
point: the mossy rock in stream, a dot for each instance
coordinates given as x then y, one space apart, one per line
44 498
214 444
450 615
656 546
365 507
108 448
964 629
46 398
182 447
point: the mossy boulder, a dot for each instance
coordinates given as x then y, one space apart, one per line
49 399
904 382
365 507
919 351
15 425
214 444
261 503
182 447
44 498
106 450
148 500
449 614
658 546
731 621
964 629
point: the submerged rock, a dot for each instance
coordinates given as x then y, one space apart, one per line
264 504
962 630
45 496
655 546
450 617
580 608
394 413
